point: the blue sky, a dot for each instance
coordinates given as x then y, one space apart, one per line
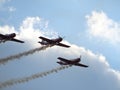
92 26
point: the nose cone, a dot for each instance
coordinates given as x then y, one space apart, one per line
78 60
13 34
61 39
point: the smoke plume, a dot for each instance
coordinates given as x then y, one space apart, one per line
26 53
31 77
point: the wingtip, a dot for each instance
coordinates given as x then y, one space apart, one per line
22 42
39 36
58 57
69 46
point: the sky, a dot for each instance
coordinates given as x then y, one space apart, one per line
91 28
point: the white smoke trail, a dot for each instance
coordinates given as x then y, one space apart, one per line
32 77
17 56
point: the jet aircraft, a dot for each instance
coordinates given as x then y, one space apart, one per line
9 37
75 62
46 41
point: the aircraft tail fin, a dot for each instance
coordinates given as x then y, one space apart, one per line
80 57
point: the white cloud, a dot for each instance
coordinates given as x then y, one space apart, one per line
102 27
33 27
98 76
30 29
7 29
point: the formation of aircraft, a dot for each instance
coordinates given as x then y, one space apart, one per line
75 62
46 41
57 41
9 37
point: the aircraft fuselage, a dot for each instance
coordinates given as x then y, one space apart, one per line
4 38
71 62
10 36
54 41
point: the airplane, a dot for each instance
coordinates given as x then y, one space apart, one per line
46 41
75 62
9 37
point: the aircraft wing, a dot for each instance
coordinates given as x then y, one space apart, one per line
45 39
79 64
64 60
63 45
16 40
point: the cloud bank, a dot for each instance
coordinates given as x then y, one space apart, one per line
100 26
98 76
